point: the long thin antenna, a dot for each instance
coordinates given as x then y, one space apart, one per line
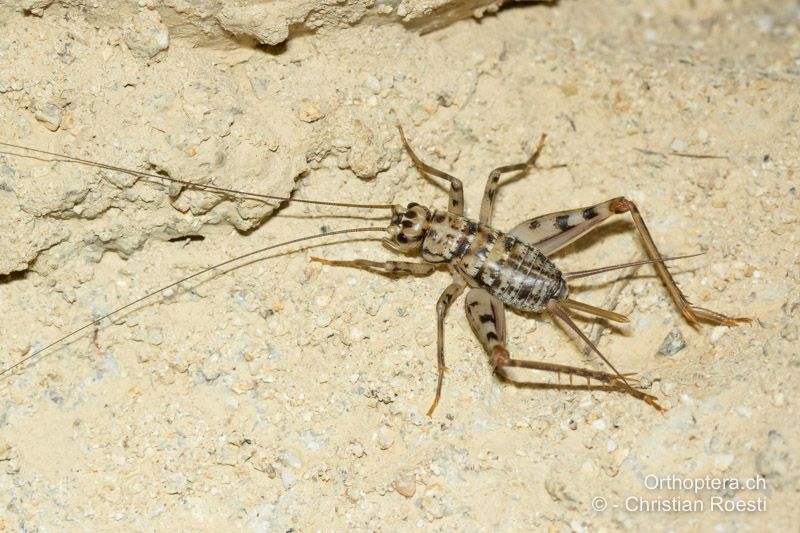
62 158
584 273
7 371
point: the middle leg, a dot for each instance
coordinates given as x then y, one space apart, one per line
450 293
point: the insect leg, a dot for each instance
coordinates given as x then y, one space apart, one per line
500 358
382 267
486 316
450 293
492 183
456 205
551 232
692 313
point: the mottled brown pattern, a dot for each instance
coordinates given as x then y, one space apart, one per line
514 272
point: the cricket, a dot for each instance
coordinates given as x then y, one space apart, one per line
497 269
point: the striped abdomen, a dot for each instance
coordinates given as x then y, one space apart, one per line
514 272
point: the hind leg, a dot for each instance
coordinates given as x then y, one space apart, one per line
486 316
553 231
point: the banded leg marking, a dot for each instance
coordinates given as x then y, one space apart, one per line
382 267
551 232
486 316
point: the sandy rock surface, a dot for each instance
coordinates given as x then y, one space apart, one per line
290 395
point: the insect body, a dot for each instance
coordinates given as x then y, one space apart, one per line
499 269
514 272
513 269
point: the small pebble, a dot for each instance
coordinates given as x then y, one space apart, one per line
434 506
309 112
717 333
147 36
678 145
672 344
50 115
385 438
356 449
723 461
405 485
373 84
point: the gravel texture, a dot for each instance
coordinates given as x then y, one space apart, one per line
290 395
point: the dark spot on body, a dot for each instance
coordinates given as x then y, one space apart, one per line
509 244
524 292
589 213
491 335
407 223
534 224
486 318
411 214
402 238
461 247
562 222
439 218
412 205
472 227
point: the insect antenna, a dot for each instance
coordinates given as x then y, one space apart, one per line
6 372
159 179
584 273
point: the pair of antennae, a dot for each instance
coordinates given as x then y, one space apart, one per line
44 155
54 157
